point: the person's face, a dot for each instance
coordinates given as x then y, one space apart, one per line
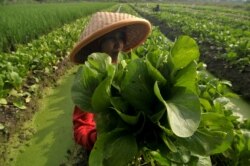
113 43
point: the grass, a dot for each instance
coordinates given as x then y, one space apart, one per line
20 23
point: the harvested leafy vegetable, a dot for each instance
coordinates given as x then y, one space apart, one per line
151 106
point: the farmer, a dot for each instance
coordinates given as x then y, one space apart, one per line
157 8
108 33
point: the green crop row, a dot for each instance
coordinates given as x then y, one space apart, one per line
39 56
21 71
21 23
225 9
210 28
237 21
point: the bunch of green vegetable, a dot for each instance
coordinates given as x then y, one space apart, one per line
149 107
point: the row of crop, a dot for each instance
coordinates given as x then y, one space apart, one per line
21 23
222 36
231 10
221 18
39 56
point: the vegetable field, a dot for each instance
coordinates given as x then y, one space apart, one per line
21 23
222 34
160 105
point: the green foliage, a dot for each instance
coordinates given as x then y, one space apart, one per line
157 105
38 58
115 143
226 30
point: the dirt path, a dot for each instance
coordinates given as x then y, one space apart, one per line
52 127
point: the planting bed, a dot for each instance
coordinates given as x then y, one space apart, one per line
220 68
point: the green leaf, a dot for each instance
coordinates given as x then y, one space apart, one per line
20 105
89 77
185 51
101 97
161 160
121 150
184 112
156 58
97 154
16 79
3 101
34 87
157 116
86 80
166 129
154 73
169 143
187 77
99 62
130 119
1 82
113 148
183 116
205 104
106 121
28 98
1 126
122 109
158 93
136 87
204 161
120 104
214 136
133 56
182 155
15 93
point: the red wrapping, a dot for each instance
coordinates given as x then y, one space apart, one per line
84 128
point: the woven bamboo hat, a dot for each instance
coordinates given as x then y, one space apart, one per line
101 23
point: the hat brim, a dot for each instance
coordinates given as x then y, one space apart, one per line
137 30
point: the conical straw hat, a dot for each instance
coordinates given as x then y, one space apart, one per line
101 23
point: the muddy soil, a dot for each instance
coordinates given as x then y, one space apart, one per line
218 67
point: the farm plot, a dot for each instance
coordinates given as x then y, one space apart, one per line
21 23
218 132
223 38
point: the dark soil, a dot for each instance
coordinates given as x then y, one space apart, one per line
221 69
77 156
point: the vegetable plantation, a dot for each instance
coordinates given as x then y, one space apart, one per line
21 23
159 105
223 36
226 32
